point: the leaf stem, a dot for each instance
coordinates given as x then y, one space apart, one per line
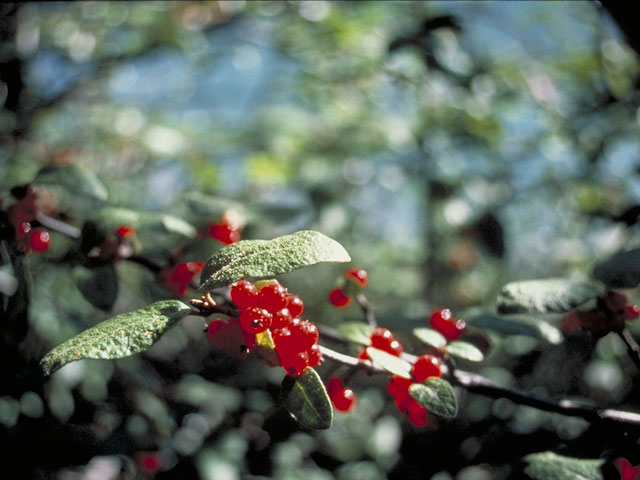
633 349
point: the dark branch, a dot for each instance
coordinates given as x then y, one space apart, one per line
633 349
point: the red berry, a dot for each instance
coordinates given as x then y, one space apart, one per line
631 312
282 318
272 297
295 305
225 232
417 414
363 355
343 398
339 299
383 339
183 273
39 240
294 364
23 229
315 355
243 293
399 386
357 275
23 211
125 231
149 462
449 327
255 320
426 366
304 332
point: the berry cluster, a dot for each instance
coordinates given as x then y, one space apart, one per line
228 230
425 366
21 215
268 306
609 315
342 398
442 320
355 280
382 339
176 278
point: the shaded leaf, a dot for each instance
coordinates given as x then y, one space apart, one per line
73 178
269 258
357 332
550 466
98 285
306 399
430 337
265 349
112 218
465 350
528 325
547 295
437 395
620 271
389 362
118 337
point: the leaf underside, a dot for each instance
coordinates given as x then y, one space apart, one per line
465 350
550 466
306 399
549 295
430 336
269 258
118 337
437 395
389 362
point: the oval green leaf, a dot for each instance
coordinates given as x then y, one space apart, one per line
389 362
306 399
621 270
73 178
98 285
527 325
437 395
430 336
269 258
465 350
356 332
118 337
550 466
549 295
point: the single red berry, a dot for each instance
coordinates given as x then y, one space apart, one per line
294 364
440 317
339 299
254 320
315 355
343 399
39 240
23 229
304 332
449 327
418 415
149 462
282 318
272 297
398 386
125 231
224 232
357 275
426 366
295 305
383 339
244 294
631 312
182 273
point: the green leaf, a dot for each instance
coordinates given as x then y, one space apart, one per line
269 258
155 222
98 285
550 466
465 350
356 332
430 337
437 395
548 295
528 325
620 271
73 178
119 336
306 399
389 362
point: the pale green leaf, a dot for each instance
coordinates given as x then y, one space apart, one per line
430 336
549 295
465 350
389 362
437 395
356 332
551 466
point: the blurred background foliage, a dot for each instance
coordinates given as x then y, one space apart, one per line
449 146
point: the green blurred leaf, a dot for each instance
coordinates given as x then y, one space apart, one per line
528 325
119 336
437 395
389 362
545 296
621 270
430 337
209 206
306 399
98 285
357 332
73 178
550 466
269 258
465 350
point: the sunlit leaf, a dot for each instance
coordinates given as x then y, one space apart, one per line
544 296
306 399
73 178
269 258
356 332
118 337
465 350
550 466
389 362
430 337
437 395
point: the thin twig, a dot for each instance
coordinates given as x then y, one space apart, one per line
57 225
367 310
633 349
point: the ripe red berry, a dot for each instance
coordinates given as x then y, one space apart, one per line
244 294
398 386
343 399
39 240
426 366
631 312
357 275
184 272
449 327
254 320
282 318
295 363
149 462
315 355
272 297
23 229
383 339
225 232
295 305
339 299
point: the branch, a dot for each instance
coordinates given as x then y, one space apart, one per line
58 226
367 310
633 349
